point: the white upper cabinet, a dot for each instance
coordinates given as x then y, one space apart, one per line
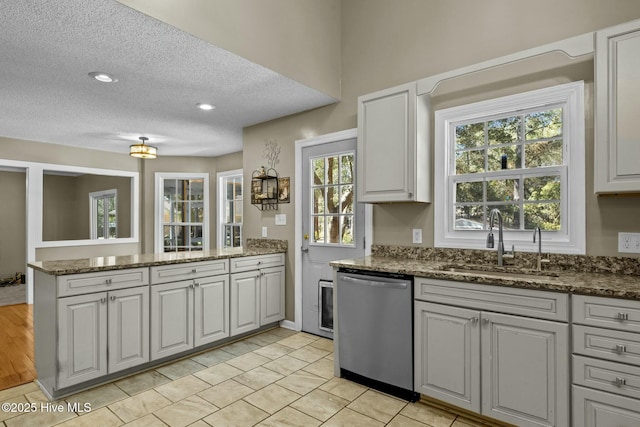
617 107
393 152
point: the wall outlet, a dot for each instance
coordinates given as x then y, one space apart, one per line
629 243
417 235
281 219
264 231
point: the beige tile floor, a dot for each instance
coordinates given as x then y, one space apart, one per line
277 378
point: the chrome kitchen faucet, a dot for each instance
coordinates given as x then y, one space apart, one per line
490 242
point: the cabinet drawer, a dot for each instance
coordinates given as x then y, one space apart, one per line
77 284
607 376
256 262
523 302
607 344
593 408
190 270
612 313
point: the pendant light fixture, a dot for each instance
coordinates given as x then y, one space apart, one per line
142 150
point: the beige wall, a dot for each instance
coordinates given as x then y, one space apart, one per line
386 43
181 164
299 39
13 232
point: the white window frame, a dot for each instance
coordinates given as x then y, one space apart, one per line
93 209
571 239
222 194
159 187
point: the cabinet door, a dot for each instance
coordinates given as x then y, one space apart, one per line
525 370
447 354
593 408
128 328
211 309
617 143
245 302
387 145
82 338
271 295
171 318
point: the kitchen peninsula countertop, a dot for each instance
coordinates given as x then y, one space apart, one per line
120 262
597 276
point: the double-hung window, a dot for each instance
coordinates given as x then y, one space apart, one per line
521 154
230 209
182 212
104 214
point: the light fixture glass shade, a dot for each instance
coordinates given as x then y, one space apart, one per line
143 151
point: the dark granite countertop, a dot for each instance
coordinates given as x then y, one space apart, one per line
104 263
602 277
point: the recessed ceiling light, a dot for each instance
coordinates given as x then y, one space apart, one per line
103 77
206 107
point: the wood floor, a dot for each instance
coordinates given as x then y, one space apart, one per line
17 363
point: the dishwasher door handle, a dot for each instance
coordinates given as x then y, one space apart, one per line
374 283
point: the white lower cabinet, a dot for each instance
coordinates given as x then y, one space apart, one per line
187 314
606 362
504 366
257 298
102 333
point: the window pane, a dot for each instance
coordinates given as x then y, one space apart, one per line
238 210
544 124
469 162
333 199
347 199
318 229
469 136
500 190
317 168
195 236
542 188
509 156
333 170
469 191
503 131
510 217
333 229
544 153
543 215
318 200
346 175
346 233
176 212
469 217
197 212
196 189
238 188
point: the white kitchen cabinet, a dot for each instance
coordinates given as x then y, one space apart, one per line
188 313
617 105
102 333
606 362
504 366
82 341
257 296
245 302
393 162
593 408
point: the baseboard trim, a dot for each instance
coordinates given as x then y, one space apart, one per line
288 324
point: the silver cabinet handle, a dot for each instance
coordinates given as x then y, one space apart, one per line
259 262
194 270
474 319
620 381
622 316
112 297
108 281
304 249
486 321
103 300
191 286
196 283
621 348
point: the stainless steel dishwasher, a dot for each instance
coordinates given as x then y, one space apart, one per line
375 330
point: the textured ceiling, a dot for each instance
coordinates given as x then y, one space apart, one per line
48 47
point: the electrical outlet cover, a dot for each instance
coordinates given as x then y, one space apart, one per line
417 235
629 243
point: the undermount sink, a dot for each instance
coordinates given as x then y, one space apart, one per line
500 271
